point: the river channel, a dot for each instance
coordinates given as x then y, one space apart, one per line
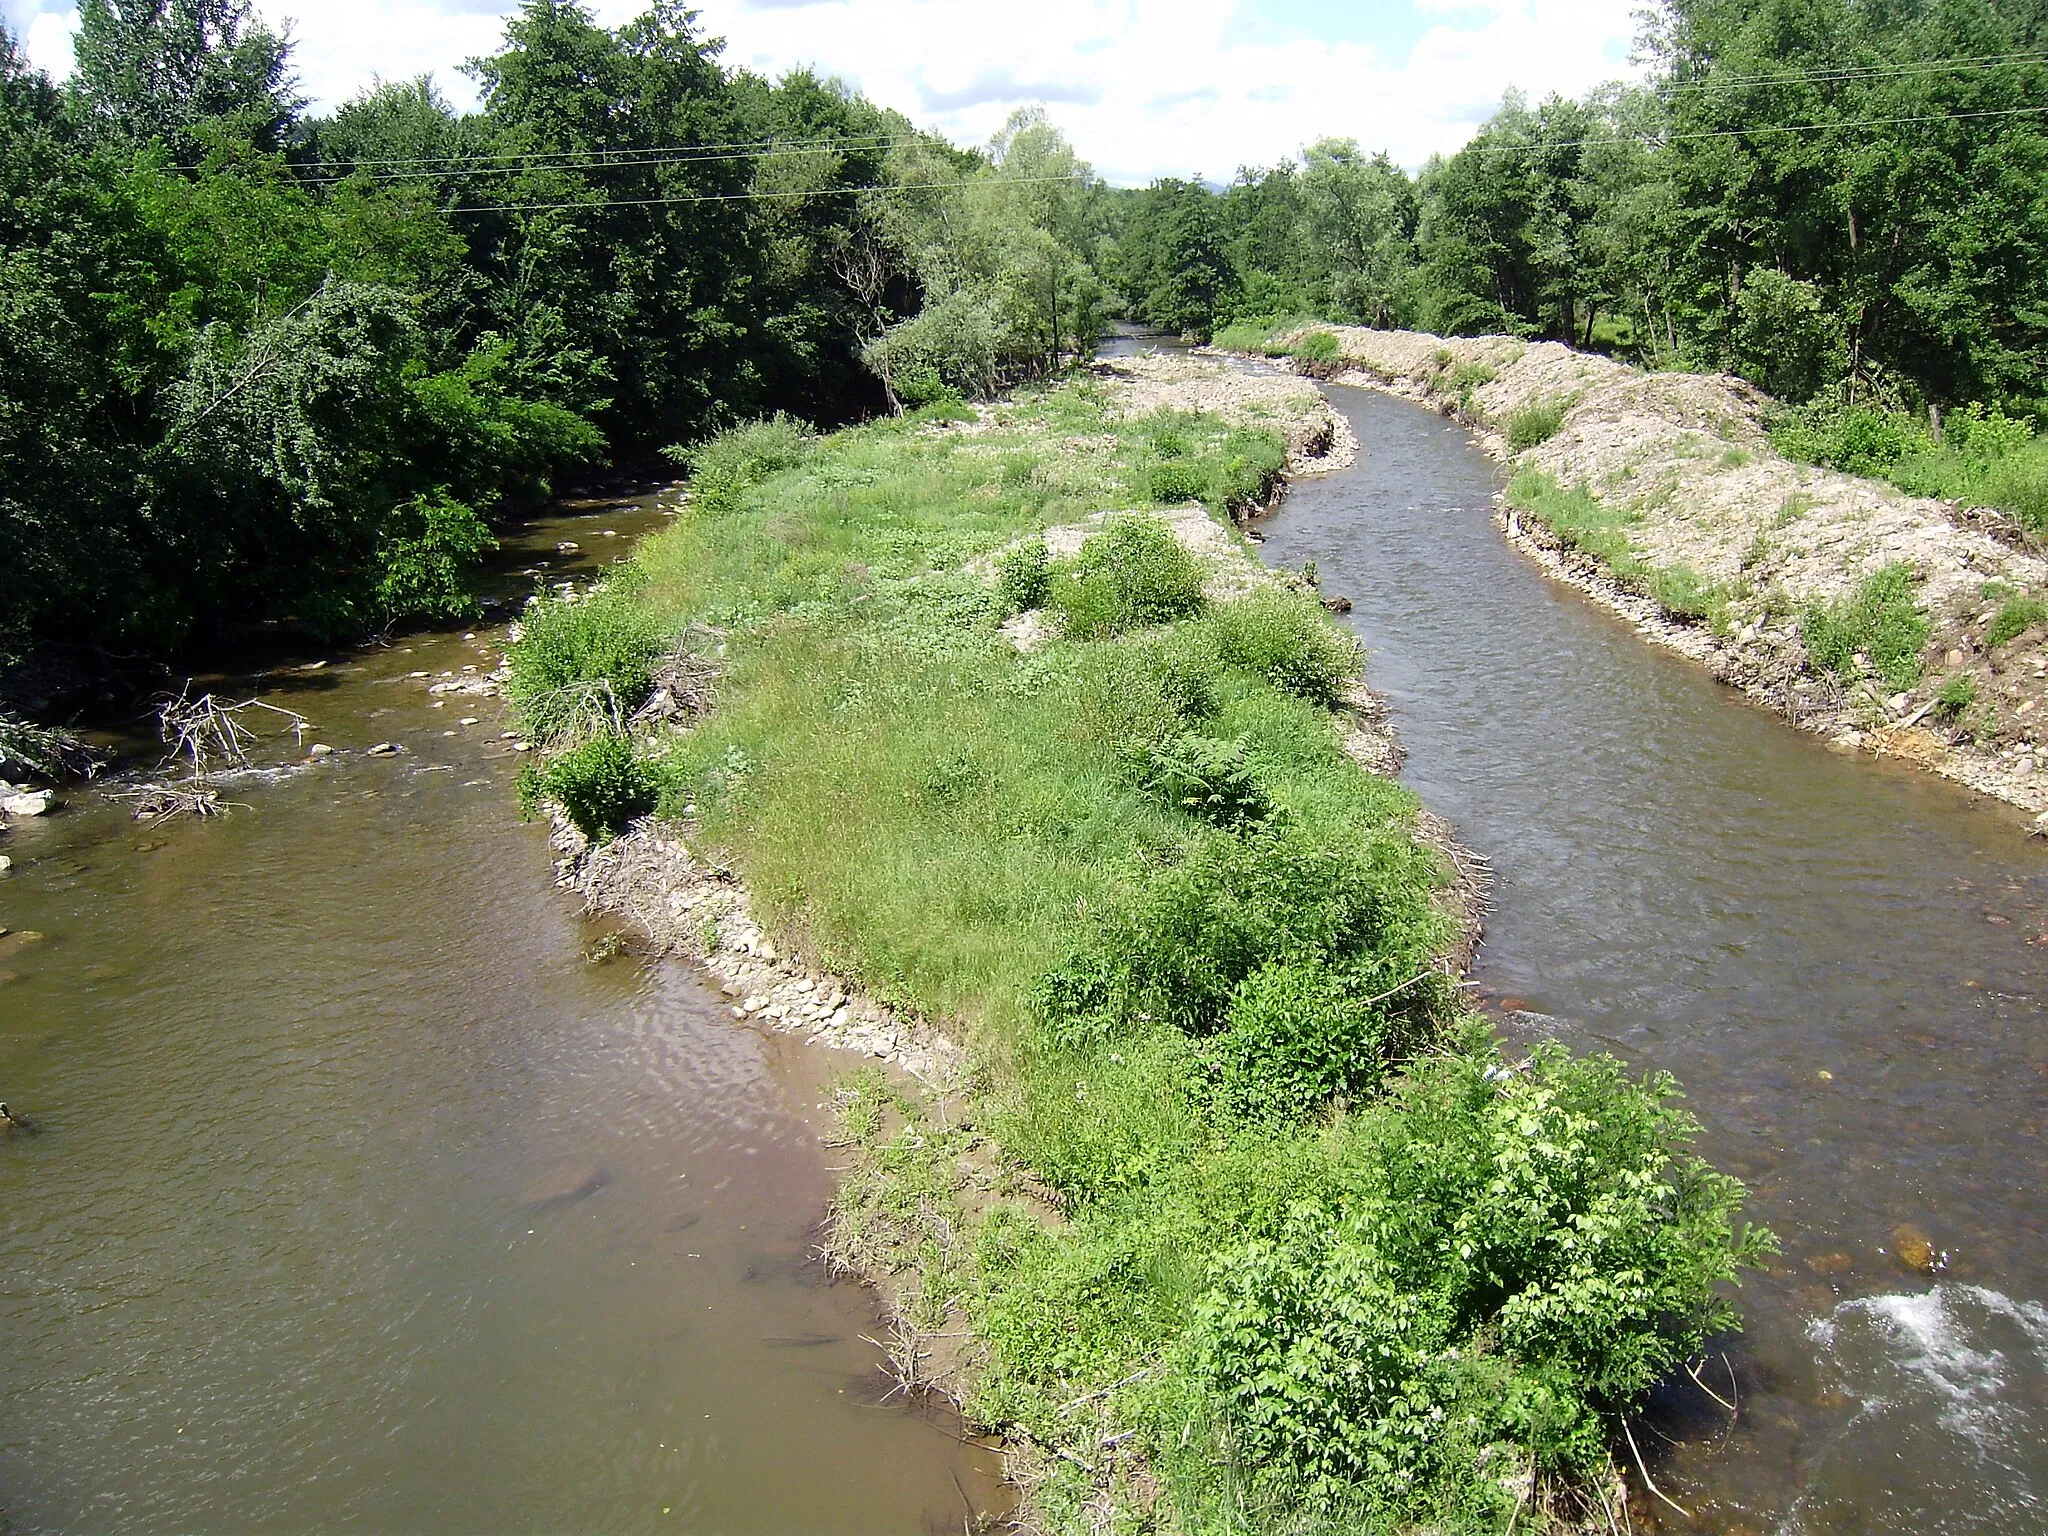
1844 963
366 1199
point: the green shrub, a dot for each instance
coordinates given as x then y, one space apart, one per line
599 782
1133 573
1176 481
2015 616
745 456
582 662
1865 440
1296 1037
1467 377
1023 577
428 551
1175 950
1534 424
1553 1209
2019 485
1287 639
1956 695
1880 619
1316 347
1207 778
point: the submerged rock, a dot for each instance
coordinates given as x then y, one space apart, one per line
34 802
566 1184
1915 1249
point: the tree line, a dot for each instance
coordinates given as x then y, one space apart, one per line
265 366
1831 197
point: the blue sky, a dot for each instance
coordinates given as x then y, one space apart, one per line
1145 88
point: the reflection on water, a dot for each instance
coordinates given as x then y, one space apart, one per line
363 1199
1842 961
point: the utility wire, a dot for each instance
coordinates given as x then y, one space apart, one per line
1653 140
748 197
739 148
1977 64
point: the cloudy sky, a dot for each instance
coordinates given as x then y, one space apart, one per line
1145 88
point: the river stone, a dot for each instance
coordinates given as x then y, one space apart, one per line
566 1184
318 750
1914 1249
5 863
35 802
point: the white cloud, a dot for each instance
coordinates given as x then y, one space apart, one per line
1144 88
47 41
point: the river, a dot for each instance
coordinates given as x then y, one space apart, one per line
1843 962
365 1199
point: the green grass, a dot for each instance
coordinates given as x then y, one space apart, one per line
1594 527
1880 624
1192 944
1256 333
2015 616
1535 424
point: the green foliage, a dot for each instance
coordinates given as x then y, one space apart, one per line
1297 1036
1211 780
1683 592
427 552
1582 520
1316 347
1133 573
1956 695
582 663
1176 481
1534 424
1881 621
1287 639
744 456
1860 441
598 782
1024 577
2015 616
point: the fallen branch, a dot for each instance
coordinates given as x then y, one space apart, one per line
1644 1469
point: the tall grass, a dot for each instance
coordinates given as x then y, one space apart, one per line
1985 458
1879 626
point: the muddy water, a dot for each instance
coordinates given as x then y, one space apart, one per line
1845 965
363 1200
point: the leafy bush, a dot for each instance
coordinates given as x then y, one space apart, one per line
1207 778
1287 639
1176 482
1316 347
1880 619
1785 339
599 782
1553 1210
2019 485
428 550
1134 572
1867 440
1023 577
1177 947
572 655
1534 424
2015 616
745 456
1296 1037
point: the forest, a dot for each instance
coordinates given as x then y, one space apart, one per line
263 366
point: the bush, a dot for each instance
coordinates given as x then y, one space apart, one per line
1134 572
1296 1038
1785 340
428 550
1880 619
598 782
1023 577
1175 950
1207 778
1683 592
1867 440
1176 482
1287 639
745 456
2015 616
2019 485
1316 347
1534 424
1527 1249
581 664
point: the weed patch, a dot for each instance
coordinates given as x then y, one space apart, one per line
1880 623
1535 424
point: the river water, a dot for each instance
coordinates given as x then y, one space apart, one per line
365 1200
1844 963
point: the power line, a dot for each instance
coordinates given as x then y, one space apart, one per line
1975 64
1653 140
746 197
605 160
740 149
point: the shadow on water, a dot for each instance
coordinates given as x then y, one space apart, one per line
365 1199
1843 962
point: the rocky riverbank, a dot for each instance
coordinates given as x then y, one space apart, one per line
1686 462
